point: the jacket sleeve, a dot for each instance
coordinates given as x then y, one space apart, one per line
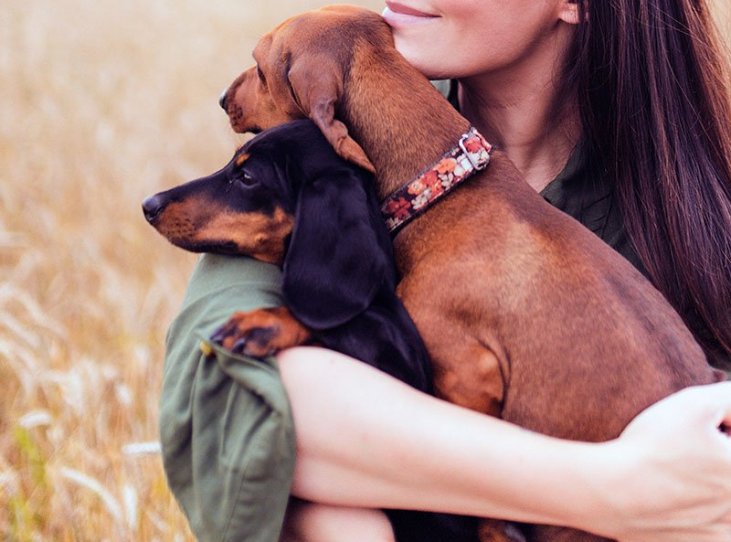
225 425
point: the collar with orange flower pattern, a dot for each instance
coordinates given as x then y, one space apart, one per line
471 155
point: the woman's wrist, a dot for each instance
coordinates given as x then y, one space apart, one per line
582 484
605 475
668 476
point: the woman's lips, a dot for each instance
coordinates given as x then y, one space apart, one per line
397 14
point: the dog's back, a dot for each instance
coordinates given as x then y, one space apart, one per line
582 340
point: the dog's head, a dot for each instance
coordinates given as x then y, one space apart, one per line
301 68
245 208
287 198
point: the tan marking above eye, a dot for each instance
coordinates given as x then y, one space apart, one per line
241 158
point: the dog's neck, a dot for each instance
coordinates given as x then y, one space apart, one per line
400 120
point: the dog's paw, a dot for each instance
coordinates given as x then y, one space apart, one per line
261 333
248 334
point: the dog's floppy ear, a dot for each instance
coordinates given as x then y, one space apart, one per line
336 261
316 83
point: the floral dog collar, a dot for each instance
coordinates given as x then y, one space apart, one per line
471 155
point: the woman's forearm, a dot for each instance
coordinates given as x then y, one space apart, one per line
366 439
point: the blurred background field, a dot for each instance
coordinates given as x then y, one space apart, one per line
101 104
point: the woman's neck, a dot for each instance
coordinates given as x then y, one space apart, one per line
526 115
409 125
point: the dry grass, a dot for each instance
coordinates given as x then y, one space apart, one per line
102 104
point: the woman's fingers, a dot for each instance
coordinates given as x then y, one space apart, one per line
681 485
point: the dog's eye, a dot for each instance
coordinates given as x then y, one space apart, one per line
260 74
245 178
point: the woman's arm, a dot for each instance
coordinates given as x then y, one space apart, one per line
367 440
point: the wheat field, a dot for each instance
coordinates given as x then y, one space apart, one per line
102 104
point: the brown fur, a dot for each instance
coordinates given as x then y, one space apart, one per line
205 222
526 314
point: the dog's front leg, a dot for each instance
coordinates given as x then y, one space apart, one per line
468 370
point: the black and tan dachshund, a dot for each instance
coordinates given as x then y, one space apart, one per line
287 198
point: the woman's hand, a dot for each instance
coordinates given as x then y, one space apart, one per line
675 484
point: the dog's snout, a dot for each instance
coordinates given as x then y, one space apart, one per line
222 99
152 207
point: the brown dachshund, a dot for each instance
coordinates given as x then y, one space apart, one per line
526 314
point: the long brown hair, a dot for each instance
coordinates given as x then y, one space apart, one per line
652 83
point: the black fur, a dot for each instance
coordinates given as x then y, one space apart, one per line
339 276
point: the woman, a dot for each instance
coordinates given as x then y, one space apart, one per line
617 112
637 87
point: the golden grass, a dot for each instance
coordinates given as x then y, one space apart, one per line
102 104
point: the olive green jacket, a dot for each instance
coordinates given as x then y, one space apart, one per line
226 429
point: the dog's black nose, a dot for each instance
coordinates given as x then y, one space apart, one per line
152 207
222 99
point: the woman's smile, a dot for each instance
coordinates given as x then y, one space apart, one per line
398 15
